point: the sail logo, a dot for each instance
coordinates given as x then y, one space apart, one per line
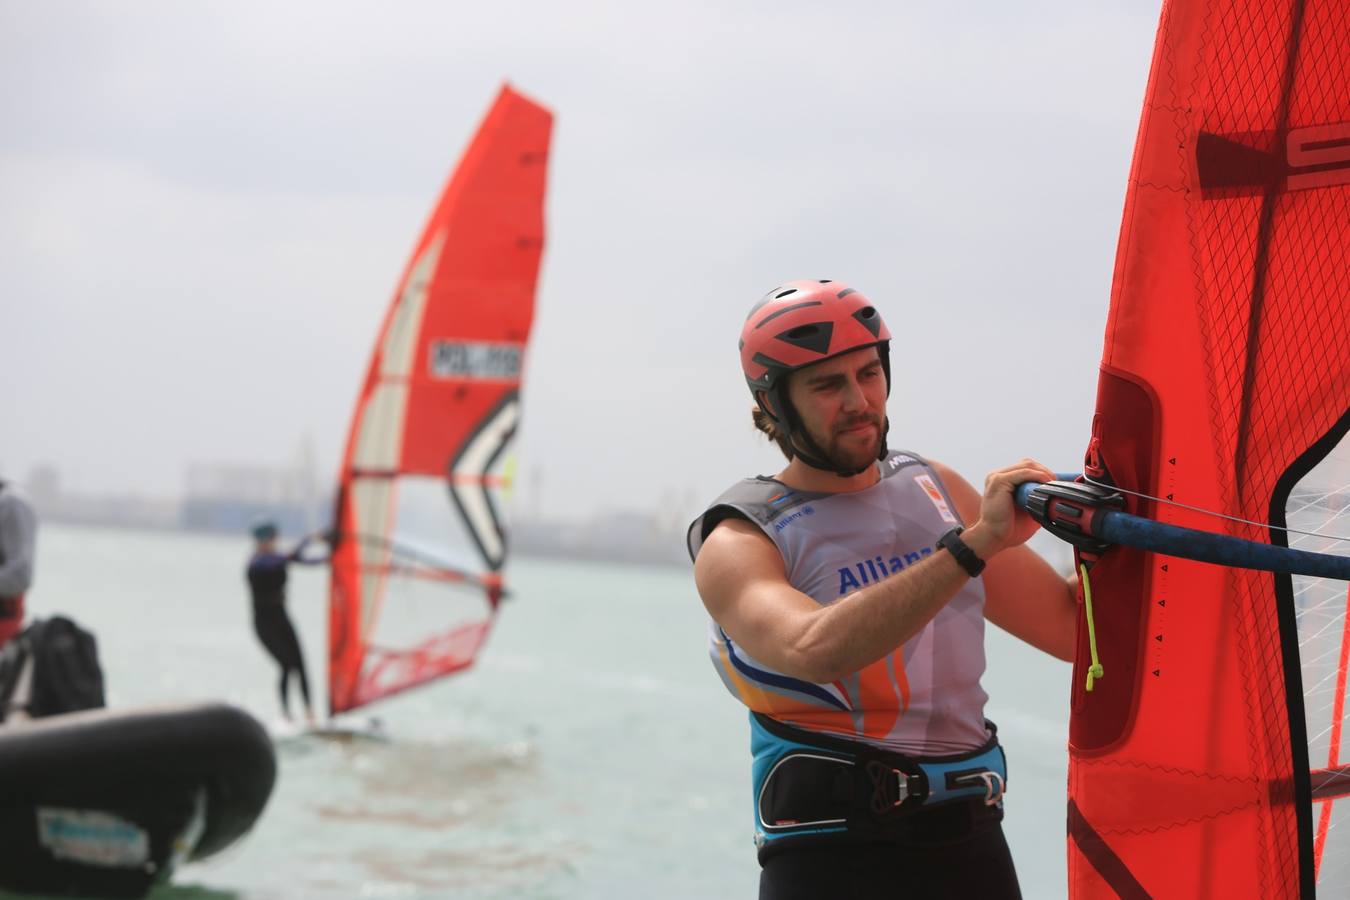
788 520
1323 151
462 359
870 571
1245 164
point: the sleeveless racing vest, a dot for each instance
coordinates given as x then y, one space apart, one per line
923 699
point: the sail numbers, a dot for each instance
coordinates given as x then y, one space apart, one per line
459 359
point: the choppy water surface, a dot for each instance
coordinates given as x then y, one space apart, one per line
592 753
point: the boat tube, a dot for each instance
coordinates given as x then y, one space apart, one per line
106 803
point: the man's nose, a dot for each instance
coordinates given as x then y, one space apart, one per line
853 395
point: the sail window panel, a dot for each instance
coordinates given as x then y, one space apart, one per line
415 608
432 615
1331 827
380 439
1320 502
400 338
428 529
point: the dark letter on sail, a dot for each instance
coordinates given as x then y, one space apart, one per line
455 359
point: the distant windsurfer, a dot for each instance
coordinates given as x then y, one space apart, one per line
18 548
267 581
848 608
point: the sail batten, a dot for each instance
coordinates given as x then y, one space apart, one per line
420 542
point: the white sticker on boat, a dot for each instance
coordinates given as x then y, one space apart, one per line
931 489
91 837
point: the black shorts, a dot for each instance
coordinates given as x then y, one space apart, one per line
969 862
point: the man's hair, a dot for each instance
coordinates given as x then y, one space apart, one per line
773 432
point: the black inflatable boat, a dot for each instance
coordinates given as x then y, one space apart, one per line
106 803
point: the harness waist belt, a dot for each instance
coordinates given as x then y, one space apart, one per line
811 784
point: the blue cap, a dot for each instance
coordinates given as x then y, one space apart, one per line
264 529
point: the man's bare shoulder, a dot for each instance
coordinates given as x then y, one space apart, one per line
736 535
736 551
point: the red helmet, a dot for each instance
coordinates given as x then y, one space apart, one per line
800 323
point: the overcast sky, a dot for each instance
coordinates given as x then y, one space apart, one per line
204 208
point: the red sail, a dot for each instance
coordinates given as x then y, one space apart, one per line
1225 385
416 573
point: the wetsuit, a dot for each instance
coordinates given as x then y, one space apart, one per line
267 582
830 820
18 537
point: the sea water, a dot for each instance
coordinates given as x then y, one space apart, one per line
592 752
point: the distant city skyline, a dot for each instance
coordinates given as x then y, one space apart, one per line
282 484
228 499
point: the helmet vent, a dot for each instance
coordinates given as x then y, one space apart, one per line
845 292
782 311
814 337
869 319
785 293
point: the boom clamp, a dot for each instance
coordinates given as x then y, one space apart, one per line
1066 509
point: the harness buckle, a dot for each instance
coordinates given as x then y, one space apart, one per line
993 785
887 795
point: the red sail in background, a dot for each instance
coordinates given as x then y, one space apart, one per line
1225 384
416 572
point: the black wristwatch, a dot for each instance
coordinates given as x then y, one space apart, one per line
964 556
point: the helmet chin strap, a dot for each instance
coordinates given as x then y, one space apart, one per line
809 452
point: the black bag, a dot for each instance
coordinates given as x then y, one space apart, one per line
64 673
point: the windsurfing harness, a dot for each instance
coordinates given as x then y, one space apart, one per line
924 698
811 789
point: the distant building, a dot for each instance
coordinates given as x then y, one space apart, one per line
53 504
228 497
618 536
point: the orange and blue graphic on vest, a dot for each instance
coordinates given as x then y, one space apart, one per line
934 494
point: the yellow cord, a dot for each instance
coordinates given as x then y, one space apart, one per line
1095 670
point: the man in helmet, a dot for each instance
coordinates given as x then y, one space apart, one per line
848 595
266 575
18 547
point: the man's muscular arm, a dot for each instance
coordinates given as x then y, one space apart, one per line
740 576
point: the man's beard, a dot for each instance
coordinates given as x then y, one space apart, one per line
844 451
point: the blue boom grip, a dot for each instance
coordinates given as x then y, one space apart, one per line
1081 514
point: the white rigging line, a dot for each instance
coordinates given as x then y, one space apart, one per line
1219 515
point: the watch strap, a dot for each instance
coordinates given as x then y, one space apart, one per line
964 556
